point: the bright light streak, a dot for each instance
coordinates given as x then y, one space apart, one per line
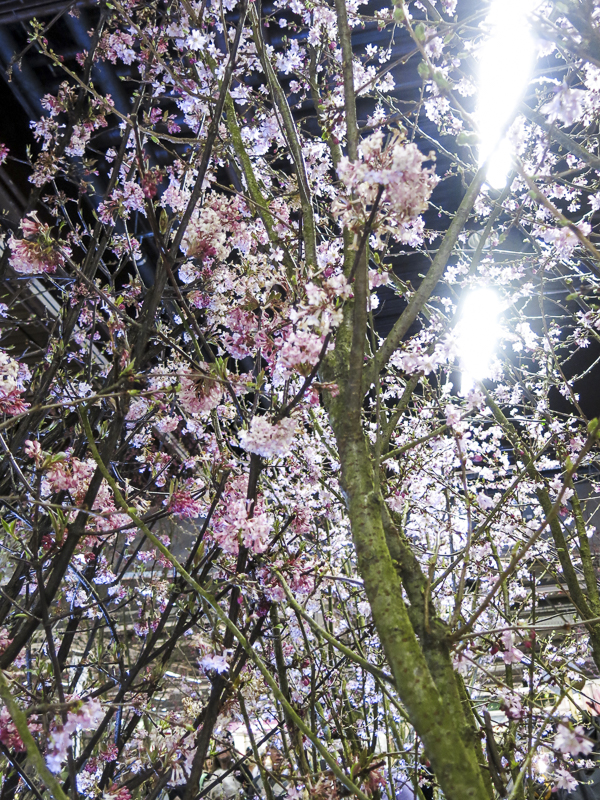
478 333
540 764
505 66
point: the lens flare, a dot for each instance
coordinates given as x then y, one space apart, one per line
506 62
478 333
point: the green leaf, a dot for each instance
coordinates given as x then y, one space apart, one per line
423 70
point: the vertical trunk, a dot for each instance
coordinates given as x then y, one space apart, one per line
453 758
432 634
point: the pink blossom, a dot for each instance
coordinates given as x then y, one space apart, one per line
5 639
122 201
172 126
36 252
398 169
300 352
89 714
567 106
4 151
8 733
213 662
564 780
110 754
184 505
118 45
86 717
199 395
510 655
174 197
242 339
117 793
453 416
564 240
572 741
124 246
32 449
484 501
74 475
13 380
232 524
591 694
138 408
60 741
293 59
189 272
197 40
255 535
268 440
207 233
449 6
511 705
167 424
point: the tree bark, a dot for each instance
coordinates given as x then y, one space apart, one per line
453 757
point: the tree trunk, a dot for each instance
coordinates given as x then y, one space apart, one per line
446 741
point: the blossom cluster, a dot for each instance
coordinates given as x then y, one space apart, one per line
14 379
38 251
267 439
394 170
86 716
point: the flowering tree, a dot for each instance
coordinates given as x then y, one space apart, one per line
365 543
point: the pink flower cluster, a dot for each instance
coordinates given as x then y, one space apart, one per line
209 234
396 167
117 793
122 202
418 356
511 705
9 735
510 654
47 129
564 780
13 378
36 252
213 662
572 741
199 395
117 45
244 337
268 440
73 475
564 240
184 505
232 525
5 639
33 449
567 106
84 718
299 353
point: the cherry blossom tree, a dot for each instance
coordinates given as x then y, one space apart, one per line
228 500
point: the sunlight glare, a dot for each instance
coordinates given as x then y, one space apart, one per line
478 333
505 66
